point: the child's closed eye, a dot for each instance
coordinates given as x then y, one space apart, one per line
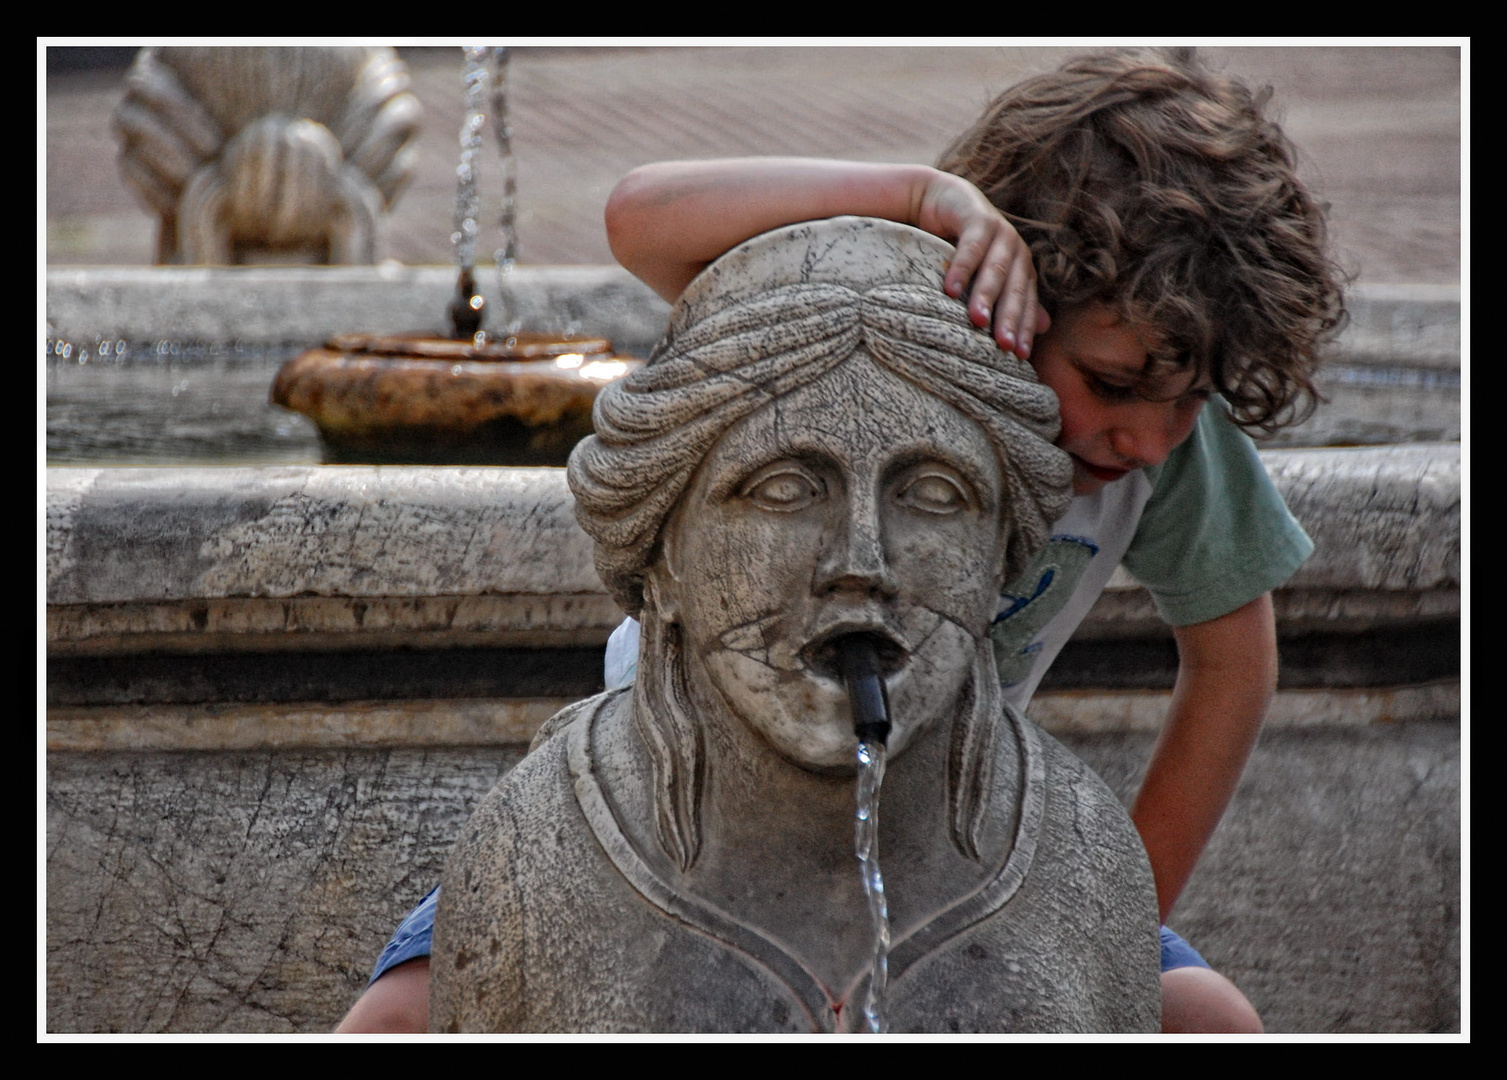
1108 391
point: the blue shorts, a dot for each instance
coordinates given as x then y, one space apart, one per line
415 936
1177 953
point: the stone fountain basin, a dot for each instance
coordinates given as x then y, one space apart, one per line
377 645
1395 376
416 399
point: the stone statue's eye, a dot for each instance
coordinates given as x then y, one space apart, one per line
787 490
935 493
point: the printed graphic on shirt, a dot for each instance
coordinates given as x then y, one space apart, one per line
1032 600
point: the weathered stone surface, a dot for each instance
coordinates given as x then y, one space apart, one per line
239 892
1331 892
1365 406
493 556
155 534
1385 518
1408 325
822 454
305 306
1079 712
497 722
1126 610
301 623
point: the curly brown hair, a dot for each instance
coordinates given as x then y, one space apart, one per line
1149 184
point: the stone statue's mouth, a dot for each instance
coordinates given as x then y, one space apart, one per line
822 656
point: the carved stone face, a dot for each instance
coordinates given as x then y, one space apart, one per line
856 504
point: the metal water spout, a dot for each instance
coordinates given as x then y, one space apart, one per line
858 658
468 309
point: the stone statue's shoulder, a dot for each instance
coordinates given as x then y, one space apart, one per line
1082 803
570 714
537 790
1117 893
525 853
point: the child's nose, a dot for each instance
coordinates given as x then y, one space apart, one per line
1142 444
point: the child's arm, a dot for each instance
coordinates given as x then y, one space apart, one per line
1227 673
667 221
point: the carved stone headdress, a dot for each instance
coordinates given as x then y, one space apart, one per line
771 316
775 314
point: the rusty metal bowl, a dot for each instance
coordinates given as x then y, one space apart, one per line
424 400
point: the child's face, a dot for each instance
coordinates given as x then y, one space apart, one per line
1114 417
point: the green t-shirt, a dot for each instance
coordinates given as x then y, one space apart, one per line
1206 532
1215 533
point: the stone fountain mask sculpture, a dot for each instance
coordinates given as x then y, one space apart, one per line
821 446
253 154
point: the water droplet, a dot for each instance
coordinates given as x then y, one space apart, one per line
604 370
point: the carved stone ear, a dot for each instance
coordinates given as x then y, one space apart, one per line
660 594
661 580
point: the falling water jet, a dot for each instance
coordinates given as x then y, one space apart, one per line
462 397
858 658
507 222
466 310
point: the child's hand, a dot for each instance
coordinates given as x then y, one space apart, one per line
992 266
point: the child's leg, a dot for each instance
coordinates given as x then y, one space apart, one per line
1197 999
396 1000
396 1004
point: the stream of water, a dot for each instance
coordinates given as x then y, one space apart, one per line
871 756
507 221
484 81
467 202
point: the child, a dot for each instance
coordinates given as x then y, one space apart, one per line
1133 227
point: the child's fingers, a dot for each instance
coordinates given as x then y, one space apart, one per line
993 269
1012 303
967 254
976 271
1021 311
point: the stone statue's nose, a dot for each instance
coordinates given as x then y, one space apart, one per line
854 558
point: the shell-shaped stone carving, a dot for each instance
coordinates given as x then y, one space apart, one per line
260 154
